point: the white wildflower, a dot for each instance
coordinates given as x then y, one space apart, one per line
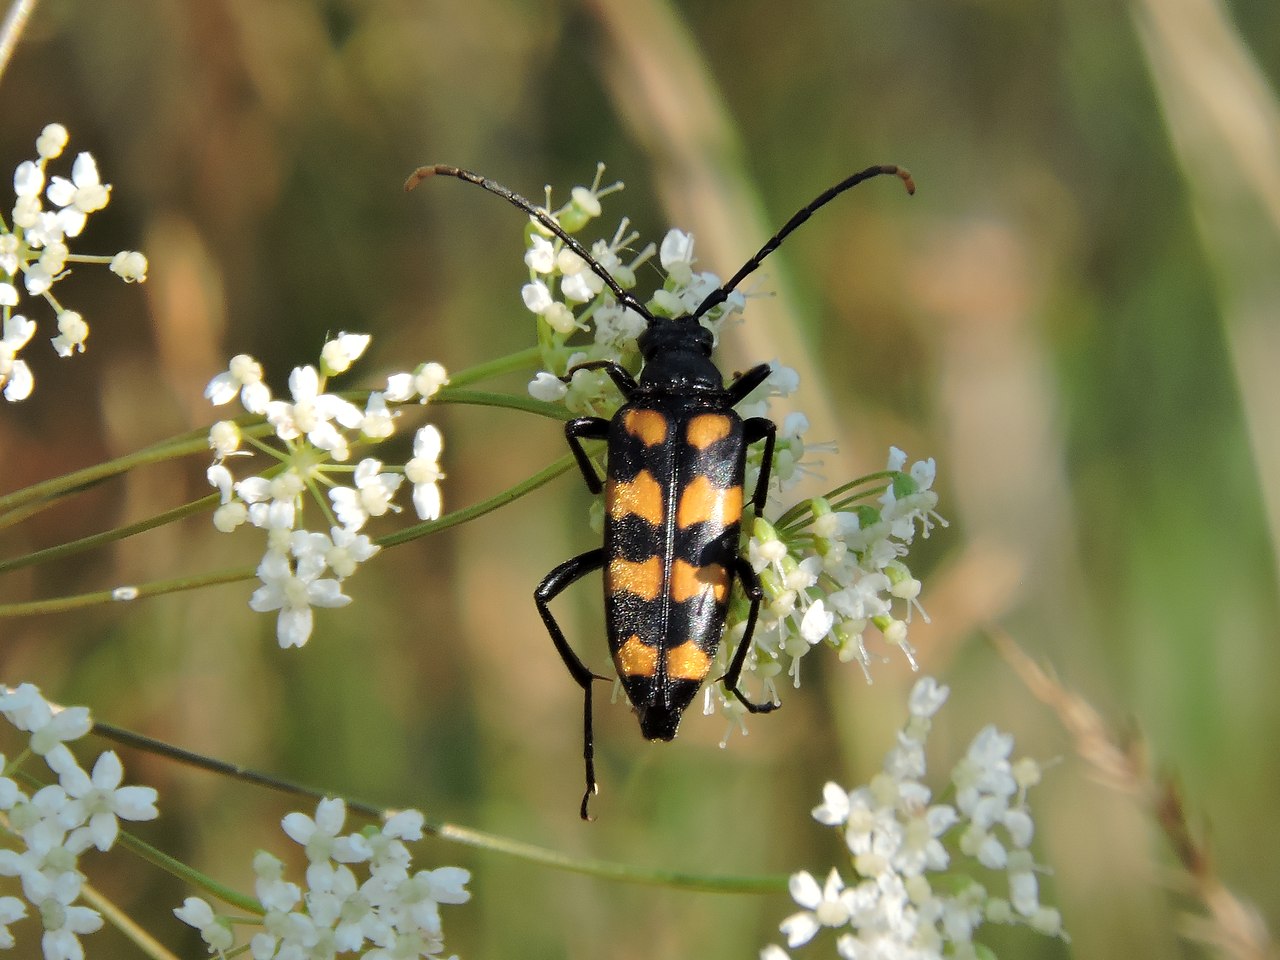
72 333
83 194
372 495
214 930
130 266
243 376
905 850
423 471
101 802
294 593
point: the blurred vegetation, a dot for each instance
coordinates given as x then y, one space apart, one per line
1076 315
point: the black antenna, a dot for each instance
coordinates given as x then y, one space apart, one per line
625 299
715 299
539 214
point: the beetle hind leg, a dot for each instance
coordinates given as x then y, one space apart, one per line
551 587
751 585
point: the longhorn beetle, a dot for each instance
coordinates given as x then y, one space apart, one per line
676 457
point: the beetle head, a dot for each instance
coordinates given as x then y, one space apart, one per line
677 357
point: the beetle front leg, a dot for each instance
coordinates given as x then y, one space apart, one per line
744 383
761 428
751 586
586 428
551 587
625 383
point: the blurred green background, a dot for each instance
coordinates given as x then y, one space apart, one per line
1076 315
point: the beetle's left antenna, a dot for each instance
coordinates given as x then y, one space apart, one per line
800 216
539 214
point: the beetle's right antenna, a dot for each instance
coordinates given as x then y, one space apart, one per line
539 214
715 299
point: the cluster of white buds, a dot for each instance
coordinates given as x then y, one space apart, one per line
315 434
571 302
34 254
830 568
390 914
921 870
44 835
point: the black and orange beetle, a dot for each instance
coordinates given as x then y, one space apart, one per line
676 457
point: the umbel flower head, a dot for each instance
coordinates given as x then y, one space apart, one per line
831 567
386 911
310 439
35 253
46 834
924 876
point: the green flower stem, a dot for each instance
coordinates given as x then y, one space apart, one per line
144 941
154 589
607 870
541 478
189 875
801 509
625 873
480 398
38 496
521 360
79 480
109 536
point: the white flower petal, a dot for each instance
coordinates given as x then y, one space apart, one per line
799 928
804 890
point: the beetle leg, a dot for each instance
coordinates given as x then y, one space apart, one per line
761 428
744 383
751 585
625 383
589 428
552 585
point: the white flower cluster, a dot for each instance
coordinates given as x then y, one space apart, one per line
316 432
570 301
43 835
908 899
392 914
830 568
33 247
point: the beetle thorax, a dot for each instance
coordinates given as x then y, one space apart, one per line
677 357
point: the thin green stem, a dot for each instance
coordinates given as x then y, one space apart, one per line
144 941
481 398
520 360
135 592
794 512
608 870
46 492
109 536
454 833
541 478
188 874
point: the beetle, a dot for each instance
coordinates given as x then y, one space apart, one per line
673 494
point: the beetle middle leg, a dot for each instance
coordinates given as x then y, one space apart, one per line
761 428
568 573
